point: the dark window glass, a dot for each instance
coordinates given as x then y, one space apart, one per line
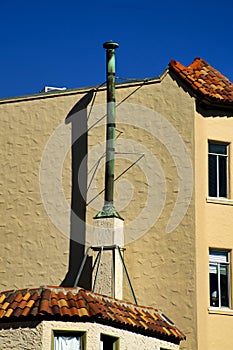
217 148
222 176
212 176
214 293
224 285
108 342
217 170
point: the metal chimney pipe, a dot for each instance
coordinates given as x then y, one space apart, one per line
111 122
108 208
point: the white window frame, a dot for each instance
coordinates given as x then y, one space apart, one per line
217 161
216 258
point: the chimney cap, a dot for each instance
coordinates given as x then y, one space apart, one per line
110 45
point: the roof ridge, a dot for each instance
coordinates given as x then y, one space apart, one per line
78 290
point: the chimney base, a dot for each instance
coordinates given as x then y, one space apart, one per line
108 235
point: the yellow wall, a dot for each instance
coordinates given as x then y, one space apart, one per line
214 221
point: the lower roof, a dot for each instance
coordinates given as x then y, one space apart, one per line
76 304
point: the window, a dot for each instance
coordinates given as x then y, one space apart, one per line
219 278
108 342
218 169
68 341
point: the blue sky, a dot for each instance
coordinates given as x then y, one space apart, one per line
59 43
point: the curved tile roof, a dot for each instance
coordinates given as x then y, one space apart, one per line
79 304
205 79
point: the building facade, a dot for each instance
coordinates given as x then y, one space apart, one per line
173 189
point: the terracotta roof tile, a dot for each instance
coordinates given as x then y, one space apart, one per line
10 298
25 311
8 313
62 302
13 305
75 312
2 298
35 308
30 303
18 297
5 305
17 312
54 302
45 306
26 296
203 78
65 311
83 312
55 310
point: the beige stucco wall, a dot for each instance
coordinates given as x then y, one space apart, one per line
33 251
128 340
39 336
214 220
30 242
21 336
162 265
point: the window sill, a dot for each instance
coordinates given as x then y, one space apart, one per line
215 200
220 311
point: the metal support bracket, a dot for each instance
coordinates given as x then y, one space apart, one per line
100 250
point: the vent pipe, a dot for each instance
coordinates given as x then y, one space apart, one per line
108 208
108 231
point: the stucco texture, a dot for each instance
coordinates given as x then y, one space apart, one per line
24 335
35 252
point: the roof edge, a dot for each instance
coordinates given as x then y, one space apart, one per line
83 90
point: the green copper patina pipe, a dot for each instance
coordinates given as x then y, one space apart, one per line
111 122
109 209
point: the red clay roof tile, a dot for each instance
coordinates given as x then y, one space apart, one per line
25 311
202 77
45 306
51 302
56 310
17 312
18 297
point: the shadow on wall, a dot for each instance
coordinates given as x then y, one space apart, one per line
78 119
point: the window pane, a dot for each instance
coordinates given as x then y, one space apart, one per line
222 176
213 268
67 343
224 285
212 176
214 293
218 256
217 148
219 278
